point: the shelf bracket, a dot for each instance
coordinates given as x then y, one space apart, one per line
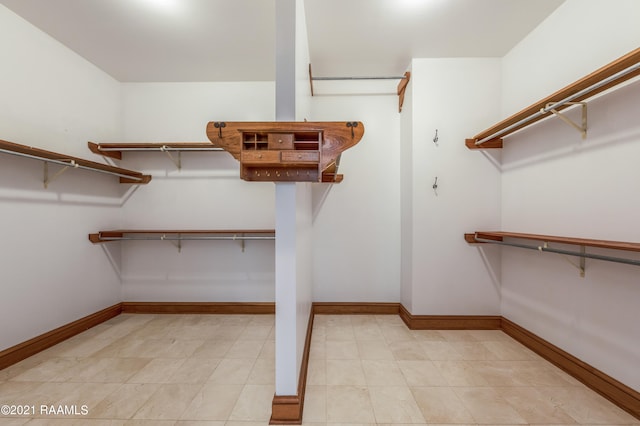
177 162
47 180
235 236
176 242
581 265
582 128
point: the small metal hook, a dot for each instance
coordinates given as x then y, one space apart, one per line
435 186
219 125
352 124
435 138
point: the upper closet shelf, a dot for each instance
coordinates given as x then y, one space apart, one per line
609 76
115 150
126 176
179 235
499 237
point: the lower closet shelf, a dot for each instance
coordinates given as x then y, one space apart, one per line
494 237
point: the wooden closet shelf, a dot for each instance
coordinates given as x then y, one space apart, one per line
498 238
611 75
115 149
181 234
587 242
126 176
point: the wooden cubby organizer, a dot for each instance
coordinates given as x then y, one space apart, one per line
287 151
611 75
68 161
179 235
495 237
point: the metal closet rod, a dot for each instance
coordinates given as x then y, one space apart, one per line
163 148
164 238
390 77
565 252
564 101
70 163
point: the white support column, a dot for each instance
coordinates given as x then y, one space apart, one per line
293 221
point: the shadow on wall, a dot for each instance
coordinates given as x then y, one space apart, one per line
22 181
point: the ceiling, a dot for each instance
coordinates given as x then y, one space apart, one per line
233 40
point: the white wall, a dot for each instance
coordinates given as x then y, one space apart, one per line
406 201
53 99
555 183
206 194
456 97
356 224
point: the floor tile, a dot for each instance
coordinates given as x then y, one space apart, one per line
124 402
487 406
212 348
407 350
441 405
587 407
374 349
345 372
394 404
169 402
338 349
461 373
317 372
253 403
349 404
263 372
315 404
158 370
382 372
533 406
212 402
194 370
396 333
421 373
232 371
340 333
245 349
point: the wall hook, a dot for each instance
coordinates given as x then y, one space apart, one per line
435 138
435 186
219 125
352 124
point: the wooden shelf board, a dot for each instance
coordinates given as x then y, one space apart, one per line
587 242
97 148
599 75
135 177
103 236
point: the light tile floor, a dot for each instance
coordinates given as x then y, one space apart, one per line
203 370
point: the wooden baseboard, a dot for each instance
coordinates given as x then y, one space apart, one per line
39 343
228 308
616 392
450 322
355 308
288 409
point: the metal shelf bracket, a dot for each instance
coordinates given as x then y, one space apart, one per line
48 179
582 128
177 162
